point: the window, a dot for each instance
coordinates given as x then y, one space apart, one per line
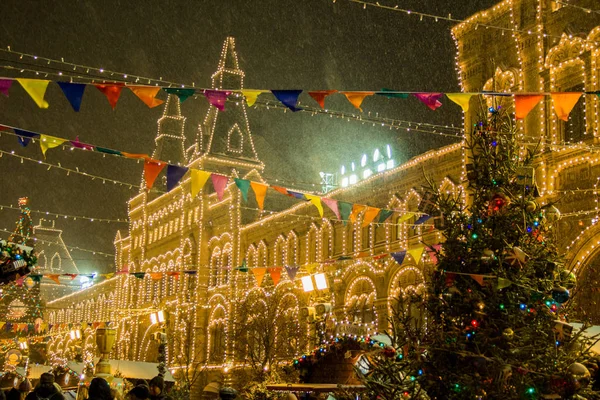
217 341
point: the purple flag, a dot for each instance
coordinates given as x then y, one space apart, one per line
297 195
76 143
5 84
399 256
431 100
217 98
288 98
174 175
292 270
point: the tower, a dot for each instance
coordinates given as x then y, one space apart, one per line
224 140
170 139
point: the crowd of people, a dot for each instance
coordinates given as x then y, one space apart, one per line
99 389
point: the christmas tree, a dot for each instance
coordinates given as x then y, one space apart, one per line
494 322
23 233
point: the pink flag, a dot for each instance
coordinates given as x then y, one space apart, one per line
219 183
333 205
217 98
431 100
5 84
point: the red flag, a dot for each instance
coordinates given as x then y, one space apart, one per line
112 93
477 278
151 171
319 96
275 273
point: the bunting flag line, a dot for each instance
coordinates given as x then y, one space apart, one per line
5 85
433 253
356 210
345 210
316 201
431 100
462 99
243 185
73 92
416 253
49 142
333 206
199 179
54 277
399 256
147 94
275 273
524 103
219 184
174 175
281 190
259 274
36 89
251 96
182 94
564 103
477 278
260 191
112 93
356 98
319 96
384 215
151 171
370 215
25 137
288 98
392 94
217 98
422 219
292 270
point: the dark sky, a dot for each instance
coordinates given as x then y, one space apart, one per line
282 44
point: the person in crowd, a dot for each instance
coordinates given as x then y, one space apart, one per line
140 392
21 392
99 390
157 387
45 390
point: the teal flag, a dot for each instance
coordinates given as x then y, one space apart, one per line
384 214
389 93
243 185
345 210
183 94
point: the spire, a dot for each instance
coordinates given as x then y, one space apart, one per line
170 138
224 141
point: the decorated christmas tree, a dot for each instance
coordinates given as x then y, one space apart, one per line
23 233
494 322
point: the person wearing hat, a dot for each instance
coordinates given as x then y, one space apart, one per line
140 392
45 390
157 387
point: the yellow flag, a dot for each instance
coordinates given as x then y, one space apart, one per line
462 99
311 268
416 253
316 200
251 96
49 142
405 217
199 179
36 88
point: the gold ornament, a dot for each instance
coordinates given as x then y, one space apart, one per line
508 334
531 206
578 375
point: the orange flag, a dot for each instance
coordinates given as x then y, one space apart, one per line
151 171
156 276
524 103
260 191
564 103
281 190
319 96
356 209
477 278
356 98
370 215
147 94
259 274
135 156
275 273
54 277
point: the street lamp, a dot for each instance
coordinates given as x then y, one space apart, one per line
157 317
319 280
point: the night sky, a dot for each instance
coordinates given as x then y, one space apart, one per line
282 44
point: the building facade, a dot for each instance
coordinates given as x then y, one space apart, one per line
198 259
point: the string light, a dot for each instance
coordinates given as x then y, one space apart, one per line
66 216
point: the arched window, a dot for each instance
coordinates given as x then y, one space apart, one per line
226 264
217 335
287 328
360 301
215 265
311 244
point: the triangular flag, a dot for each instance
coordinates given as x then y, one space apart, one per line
356 209
477 278
333 205
251 96
54 277
356 98
433 252
198 179
183 94
297 195
151 170
156 276
462 99
503 283
110 275
243 185
139 275
370 215
384 214
524 103
190 272
107 151
219 184
25 137
292 270
564 103
5 84
431 100
174 274
259 274
260 191
422 219
36 88
136 156
73 92
49 142
281 190
243 267
316 201
399 256
112 93
416 253
319 96
83 146
392 94
275 273
288 98
217 98
147 94
174 175
19 281
72 276
36 277
406 217
345 210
